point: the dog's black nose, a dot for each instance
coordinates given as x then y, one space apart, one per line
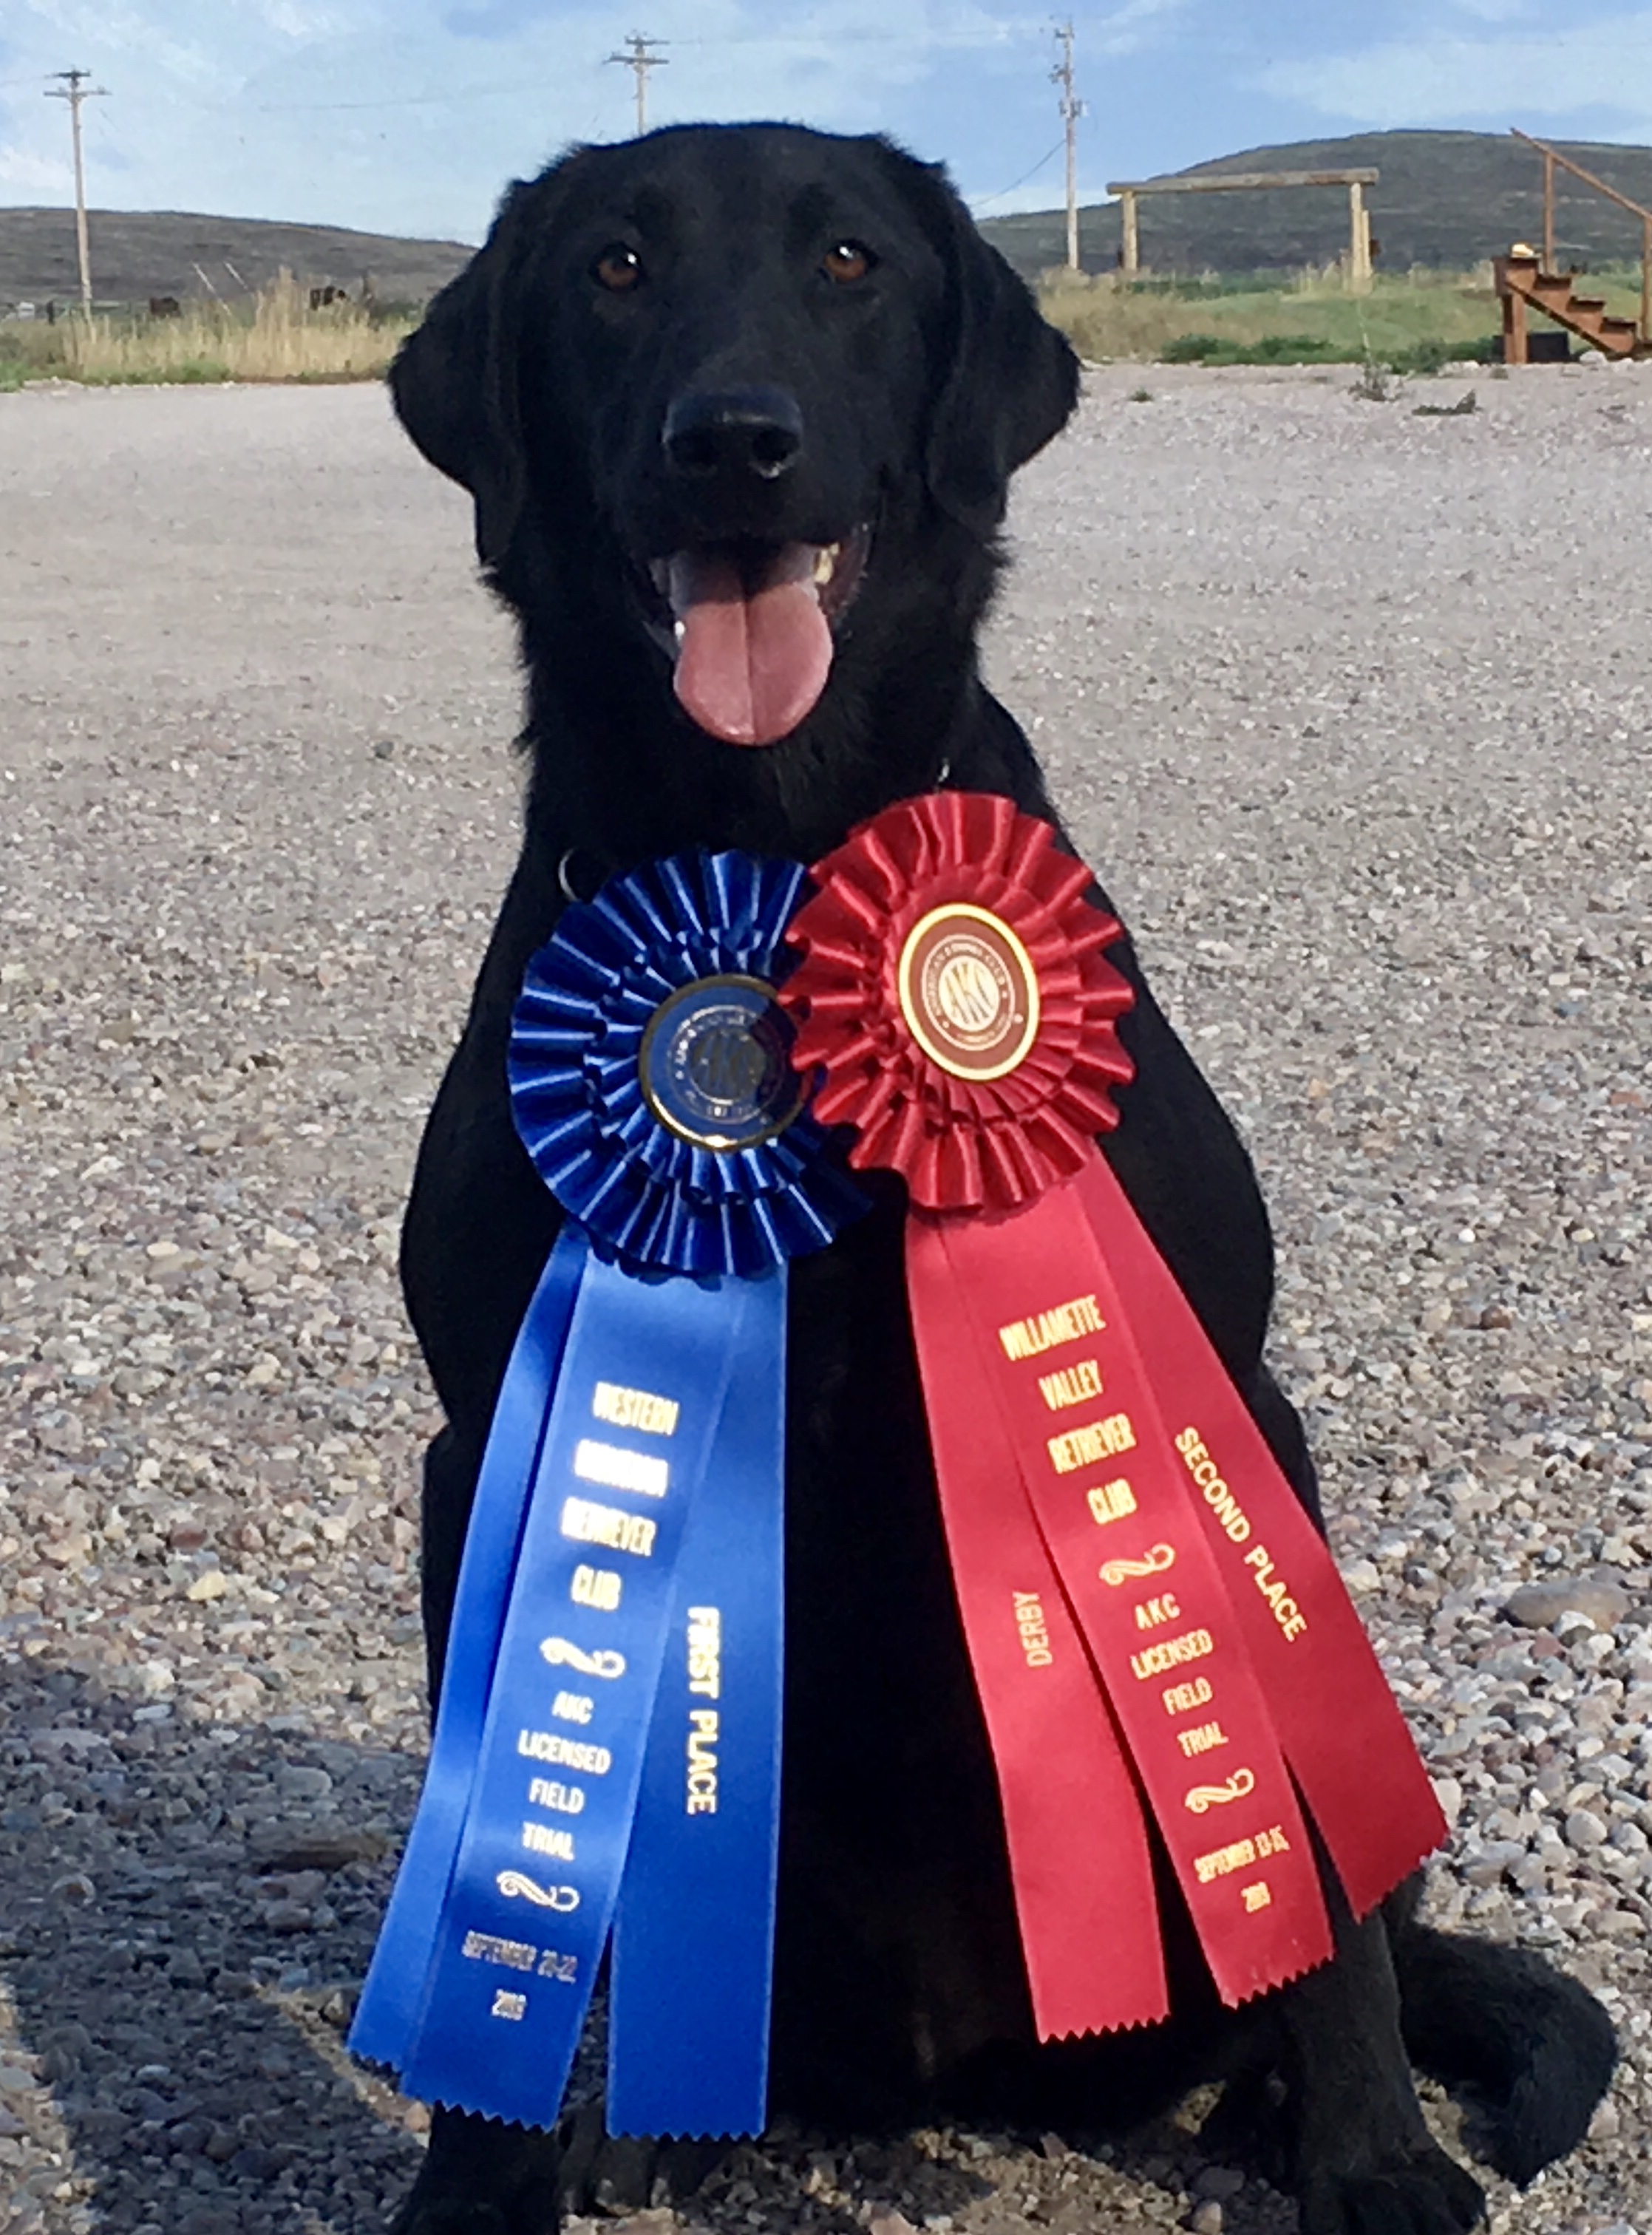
733 432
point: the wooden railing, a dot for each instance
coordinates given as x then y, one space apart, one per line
1551 156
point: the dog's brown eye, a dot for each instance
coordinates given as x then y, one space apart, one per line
847 262
619 269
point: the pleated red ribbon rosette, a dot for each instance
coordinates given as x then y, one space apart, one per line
1155 1627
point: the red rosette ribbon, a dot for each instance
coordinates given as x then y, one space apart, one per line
1158 1634
995 1138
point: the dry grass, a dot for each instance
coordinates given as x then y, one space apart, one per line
1412 323
1402 321
279 338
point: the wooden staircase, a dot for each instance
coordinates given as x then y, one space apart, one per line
1522 284
1528 281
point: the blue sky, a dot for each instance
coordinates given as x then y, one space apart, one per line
409 116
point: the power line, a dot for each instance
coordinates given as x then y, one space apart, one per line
397 101
641 59
74 90
979 201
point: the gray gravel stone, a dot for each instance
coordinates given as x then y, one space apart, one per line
1544 1606
1221 2184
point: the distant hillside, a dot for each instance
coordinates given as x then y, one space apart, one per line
135 255
1445 199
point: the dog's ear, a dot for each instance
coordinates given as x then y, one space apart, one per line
454 381
1010 381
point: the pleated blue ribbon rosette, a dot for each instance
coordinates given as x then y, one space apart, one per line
606 1755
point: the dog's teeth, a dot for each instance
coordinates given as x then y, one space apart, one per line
679 630
826 561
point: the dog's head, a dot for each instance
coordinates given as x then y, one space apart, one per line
723 388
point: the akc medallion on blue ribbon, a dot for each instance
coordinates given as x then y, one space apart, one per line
606 1755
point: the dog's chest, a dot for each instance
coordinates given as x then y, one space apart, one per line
893 1872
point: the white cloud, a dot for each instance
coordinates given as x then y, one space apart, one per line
100 29
1605 65
1128 28
832 64
296 23
27 176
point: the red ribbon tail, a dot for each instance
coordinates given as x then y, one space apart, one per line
1057 1350
1079 1849
1348 1745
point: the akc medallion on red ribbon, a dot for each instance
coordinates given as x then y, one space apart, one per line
969 993
1158 1635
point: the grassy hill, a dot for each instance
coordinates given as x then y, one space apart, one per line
135 255
1445 199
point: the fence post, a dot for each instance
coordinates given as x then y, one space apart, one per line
1359 241
1132 252
1514 326
1548 212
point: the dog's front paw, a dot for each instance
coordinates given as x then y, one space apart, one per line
443 2216
607 2173
481 2176
1426 2193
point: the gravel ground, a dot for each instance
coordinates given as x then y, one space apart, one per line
1355 707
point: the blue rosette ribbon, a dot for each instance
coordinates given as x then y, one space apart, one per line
605 1771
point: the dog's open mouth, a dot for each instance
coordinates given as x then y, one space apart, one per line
752 629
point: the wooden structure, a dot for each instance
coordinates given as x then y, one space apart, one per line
1229 182
1522 280
1523 284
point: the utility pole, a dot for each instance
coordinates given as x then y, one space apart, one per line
74 91
1071 110
641 59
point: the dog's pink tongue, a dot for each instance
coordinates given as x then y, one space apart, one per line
751 663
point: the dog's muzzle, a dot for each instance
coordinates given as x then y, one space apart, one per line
751 628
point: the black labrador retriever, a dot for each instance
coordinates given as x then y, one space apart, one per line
738 407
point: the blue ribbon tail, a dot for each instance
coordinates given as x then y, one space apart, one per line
641 1390
392 2001
693 1951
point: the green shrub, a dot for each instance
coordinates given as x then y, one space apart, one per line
1432 355
1272 349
